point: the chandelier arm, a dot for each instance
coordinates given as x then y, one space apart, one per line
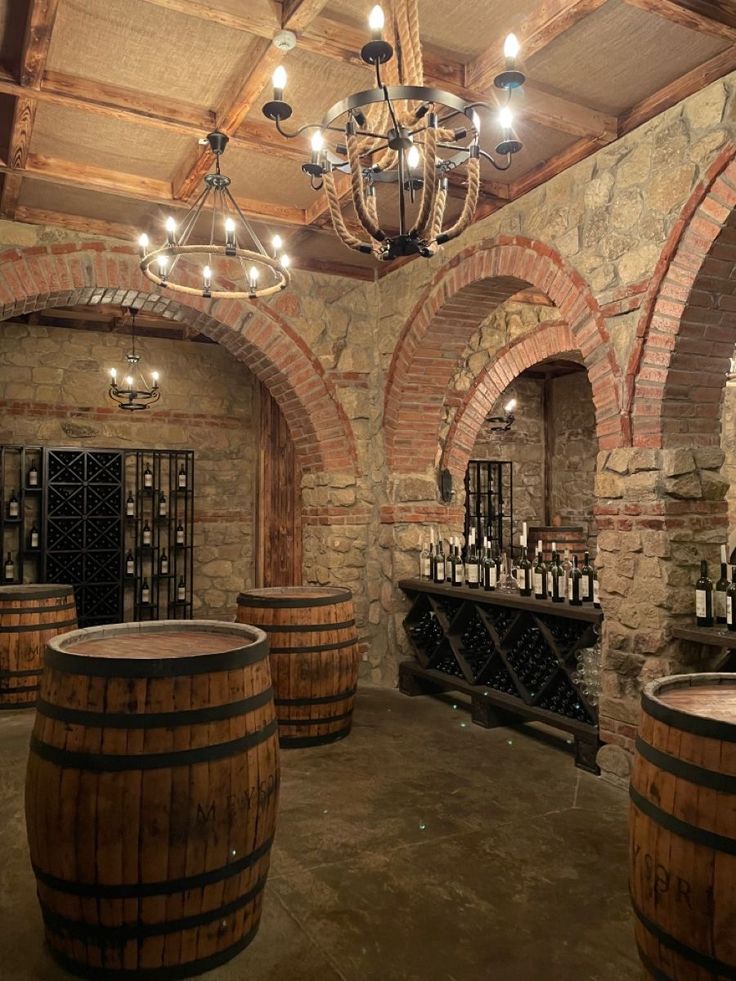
471 203
429 189
356 178
492 160
338 220
246 223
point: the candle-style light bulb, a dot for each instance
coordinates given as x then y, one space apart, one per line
253 278
511 48
113 374
229 236
163 265
506 118
475 119
318 142
510 406
285 261
413 157
129 382
171 230
277 243
279 83
143 243
376 20
155 377
207 276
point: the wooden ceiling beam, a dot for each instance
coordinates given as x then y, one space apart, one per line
555 165
723 11
298 14
546 108
39 25
693 17
710 71
548 21
250 21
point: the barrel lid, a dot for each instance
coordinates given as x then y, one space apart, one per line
25 591
294 596
704 704
157 648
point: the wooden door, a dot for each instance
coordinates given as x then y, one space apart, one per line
278 499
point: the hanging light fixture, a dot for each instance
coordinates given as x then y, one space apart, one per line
507 420
404 134
227 262
133 392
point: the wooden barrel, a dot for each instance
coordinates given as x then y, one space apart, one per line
683 829
151 796
29 617
565 536
314 658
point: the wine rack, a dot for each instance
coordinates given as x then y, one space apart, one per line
15 532
489 493
515 657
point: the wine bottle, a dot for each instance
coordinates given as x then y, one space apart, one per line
182 478
130 505
719 595
163 564
145 593
489 568
587 573
181 590
439 562
430 570
549 569
567 569
34 538
13 506
9 569
425 560
146 534
473 567
163 507
540 578
731 601
129 564
448 561
456 566
33 475
180 534
576 584
524 574
147 477
704 598
557 577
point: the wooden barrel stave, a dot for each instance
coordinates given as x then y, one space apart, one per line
314 664
30 615
157 805
683 837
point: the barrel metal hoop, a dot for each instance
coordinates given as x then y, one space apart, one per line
297 742
316 722
34 673
121 667
175 973
109 763
698 725
303 628
321 700
339 645
25 628
337 595
14 610
720 968
155 720
9 706
41 591
113 936
651 967
709 839
146 890
724 782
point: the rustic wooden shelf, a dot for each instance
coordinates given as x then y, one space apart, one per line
719 637
515 657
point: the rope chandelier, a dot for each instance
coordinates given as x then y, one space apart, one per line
229 260
134 394
404 134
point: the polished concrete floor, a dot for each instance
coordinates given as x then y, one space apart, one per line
422 848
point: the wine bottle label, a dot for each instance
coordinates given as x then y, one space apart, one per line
572 590
720 603
439 574
148 480
701 603
538 583
729 610
473 572
129 567
164 567
33 478
586 590
34 540
13 509
494 576
596 595
182 480
131 508
425 567
457 573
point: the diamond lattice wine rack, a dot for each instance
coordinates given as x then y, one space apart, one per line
514 656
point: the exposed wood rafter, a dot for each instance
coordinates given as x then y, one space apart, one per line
697 17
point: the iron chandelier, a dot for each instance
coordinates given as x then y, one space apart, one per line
404 134
134 393
229 261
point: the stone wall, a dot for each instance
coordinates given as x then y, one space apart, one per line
53 391
573 448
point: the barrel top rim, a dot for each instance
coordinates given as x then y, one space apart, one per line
72 643
655 691
34 590
294 596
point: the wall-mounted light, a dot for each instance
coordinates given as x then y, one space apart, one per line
507 420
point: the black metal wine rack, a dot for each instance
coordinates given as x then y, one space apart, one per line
15 533
515 657
489 492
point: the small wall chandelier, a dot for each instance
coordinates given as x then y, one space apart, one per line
229 260
506 420
404 134
128 394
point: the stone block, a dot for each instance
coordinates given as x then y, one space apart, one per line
709 457
686 487
617 461
609 485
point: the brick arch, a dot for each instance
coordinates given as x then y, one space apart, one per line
677 368
556 339
256 334
461 295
